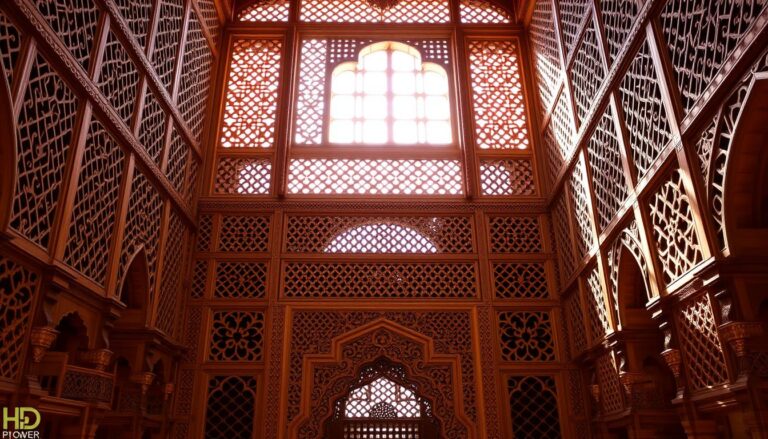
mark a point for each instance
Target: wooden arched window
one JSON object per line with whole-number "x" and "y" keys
{"x": 380, "y": 238}
{"x": 389, "y": 96}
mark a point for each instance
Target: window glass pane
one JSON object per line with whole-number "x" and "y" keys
{"x": 374, "y": 131}
{"x": 375, "y": 107}
{"x": 404, "y": 107}
{"x": 405, "y": 132}
{"x": 344, "y": 82}
{"x": 437, "y": 107}
{"x": 375, "y": 61}
{"x": 341, "y": 131}
{"x": 438, "y": 132}
{"x": 404, "y": 83}
{"x": 435, "y": 83}
{"x": 343, "y": 107}
{"x": 402, "y": 61}
{"x": 375, "y": 83}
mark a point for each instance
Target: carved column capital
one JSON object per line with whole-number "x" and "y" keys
{"x": 99, "y": 359}
{"x": 737, "y": 335}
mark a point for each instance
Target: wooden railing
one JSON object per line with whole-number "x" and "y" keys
{"x": 68, "y": 381}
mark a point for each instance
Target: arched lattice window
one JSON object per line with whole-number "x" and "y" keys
{"x": 380, "y": 238}
{"x": 390, "y": 96}
{"x": 382, "y": 399}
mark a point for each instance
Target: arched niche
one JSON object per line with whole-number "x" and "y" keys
{"x": 745, "y": 199}
{"x": 72, "y": 338}
{"x": 7, "y": 151}
{"x": 134, "y": 293}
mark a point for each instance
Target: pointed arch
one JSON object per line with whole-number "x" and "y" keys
{"x": 134, "y": 292}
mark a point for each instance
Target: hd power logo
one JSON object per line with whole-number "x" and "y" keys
{"x": 20, "y": 423}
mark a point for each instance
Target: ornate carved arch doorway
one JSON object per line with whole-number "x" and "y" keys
{"x": 382, "y": 403}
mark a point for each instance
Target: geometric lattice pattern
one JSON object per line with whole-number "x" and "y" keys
{"x": 574, "y": 317}
{"x": 674, "y": 229}
{"x": 617, "y": 17}
{"x": 44, "y": 129}
{"x": 562, "y": 232}
{"x": 153, "y": 127}
{"x": 382, "y": 399}
{"x": 498, "y": 102}
{"x": 378, "y": 280}
{"x": 515, "y": 234}
{"x": 597, "y": 308}
{"x": 199, "y": 279}
{"x": 703, "y": 353}
{"x": 587, "y": 72}
{"x": 18, "y": 287}
{"x": 231, "y": 407}
{"x": 95, "y": 205}
{"x": 580, "y": 204}
{"x": 608, "y": 181}
{"x": 349, "y": 176}
{"x": 520, "y": 280}
{"x": 701, "y": 35}
{"x": 363, "y": 11}
{"x": 571, "y": 15}
{"x": 174, "y": 271}
{"x": 250, "y": 108}
{"x": 533, "y": 407}
{"x": 166, "y": 40}
{"x": 75, "y": 22}
{"x": 244, "y": 234}
{"x": 237, "y": 336}
{"x": 310, "y": 103}
{"x": 507, "y": 177}
{"x": 243, "y": 176}
{"x": 195, "y": 83}
{"x": 266, "y": 10}
{"x": 644, "y": 113}
{"x": 611, "y": 390}
{"x": 546, "y": 52}
{"x": 441, "y": 234}
{"x": 240, "y": 280}
{"x": 526, "y": 336}
{"x": 118, "y": 78}
{"x": 482, "y": 11}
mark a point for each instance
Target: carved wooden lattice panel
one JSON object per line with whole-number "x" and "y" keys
{"x": 608, "y": 180}
{"x": 312, "y": 332}
{"x": 118, "y": 78}
{"x": 75, "y": 22}
{"x": 674, "y": 230}
{"x": 199, "y": 279}
{"x": 648, "y": 128}
{"x": 553, "y": 156}
{"x": 137, "y": 14}
{"x": 507, "y": 177}
{"x": 231, "y": 407}
{"x": 585, "y": 237}
{"x": 482, "y": 11}
{"x": 363, "y": 176}
{"x": 244, "y": 234}
{"x": 44, "y": 126}
{"x": 310, "y": 103}
{"x": 240, "y": 280}
{"x": 266, "y": 10}
{"x": 571, "y": 15}
{"x": 546, "y": 52}
{"x": 562, "y": 126}
{"x": 498, "y": 102}
{"x": 10, "y": 45}
{"x": 250, "y": 108}
{"x": 190, "y": 182}
{"x": 597, "y": 307}
{"x": 515, "y": 234}
{"x": 380, "y": 238}
{"x": 192, "y": 333}
{"x": 314, "y": 234}
{"x": 520, "y": 280}
{"x": 195, "y": 77}
{"x": 611, "y": 390}
{"x": 174, "y": 271}
{"x": 204, "y": 233}
{"x": 704, "y": 359}
{"x": 701, "y": 36}
{"x": 365, "y": 11}
{"x": 377, "y": 280}
{"x": 617, "y": 17}
{"x": 587, "y": 72}
{"x": 526, "y": 336}
{"x": 562, "y": 233}
{"x": 210, "y": 17}
{"x": 183, "y": 401}
{"x": 18, "y": 286}
{"x": 167, "y": 40}
{"x": 153, "y": 127}
{"x": 178, "y": 160}
{"x": 237, "y": 336}
{"x": 533, "y": 407}
{"x": 574, "y": 318}
{"x": 243, "y": 176}
{"x": 142, "y": 226}
{"x": 94, "y": 209}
